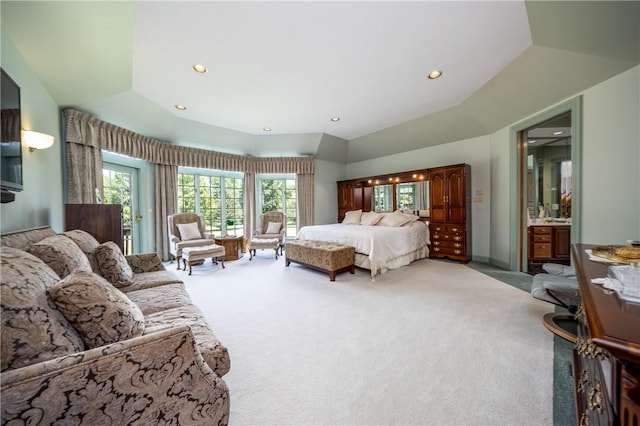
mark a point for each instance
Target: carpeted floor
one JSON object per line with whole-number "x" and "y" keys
{"x": 433, "y": 343}
{"x": 563, "y": 392}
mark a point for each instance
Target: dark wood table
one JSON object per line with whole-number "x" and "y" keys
{"x": 232, "y": 246}
{"x": 607, "y": 351}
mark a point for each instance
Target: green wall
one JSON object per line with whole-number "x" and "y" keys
{"x": 41, "y": 202}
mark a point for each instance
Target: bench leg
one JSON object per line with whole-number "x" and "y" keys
{"x": 189, "y": 268}
{"x": 276, "y": 252}
{"x": 332, "y": 275}
{"x": 353, "y": 269}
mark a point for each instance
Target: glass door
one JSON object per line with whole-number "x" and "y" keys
{"x": 120, "y": 186}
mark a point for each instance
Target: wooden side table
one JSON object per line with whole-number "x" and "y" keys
{"x": 232, "y": 246}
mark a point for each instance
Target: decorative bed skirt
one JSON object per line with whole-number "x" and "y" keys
{"x": 362, "y": 261}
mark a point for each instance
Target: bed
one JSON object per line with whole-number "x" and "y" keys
{"x": 378, "y": 248}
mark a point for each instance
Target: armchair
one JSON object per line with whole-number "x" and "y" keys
{"x": 187, "y": 230}
{"x": 268, "y": 227}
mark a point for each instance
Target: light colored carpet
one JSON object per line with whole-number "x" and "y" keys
{"x": 434, "y": 343}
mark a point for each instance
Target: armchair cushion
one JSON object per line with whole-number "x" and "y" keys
{"x": 273, "y": 227}
{"x": 189, "y": 231}
{"x": 113, "y": 264}
{"x": 101, "y": 313}
{"x": 33, "y": 330}
{"x": 61, "y": 254}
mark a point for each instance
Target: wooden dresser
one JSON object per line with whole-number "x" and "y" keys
{"x": 607, "y": 351}
{"x": 450, "y": 205}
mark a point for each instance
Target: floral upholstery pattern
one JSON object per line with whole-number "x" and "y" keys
{"x": 151, "y": 279}
{"x": 113, "y": 265}
{"x": 87, "y": 244}
{"x": 211, "y": 349}
{"x": 145, "y": 262}
{"x": 101, "y": 313}
{"x": 160, "y": 298}
{"x": 149, "y": 380}
{"x": 61, "y": 254}
{"x": 49, "y": 377}
{"x": 33, "y": 330}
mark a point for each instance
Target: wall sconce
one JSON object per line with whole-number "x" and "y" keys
{"x": 37, "y": 140}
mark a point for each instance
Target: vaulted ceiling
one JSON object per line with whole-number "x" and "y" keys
{"x": 292, "y": 66}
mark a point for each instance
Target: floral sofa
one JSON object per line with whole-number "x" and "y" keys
{"x": 90, "y": 336}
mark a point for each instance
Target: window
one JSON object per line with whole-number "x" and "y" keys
{"x": 278, "y": 193}
{"x": 120, "y": 187}
{"x": 218, "y": 196}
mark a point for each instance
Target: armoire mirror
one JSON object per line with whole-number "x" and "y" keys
{"x": 406, "y": 191}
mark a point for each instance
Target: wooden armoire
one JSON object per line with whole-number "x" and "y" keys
{"x": 103, "y": 221}
{"x": 450, "y": 205}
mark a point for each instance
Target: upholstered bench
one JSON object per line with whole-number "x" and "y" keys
{"x": 326, "y": 257}
{"x": 191, "y": 255}
{"x": 262, "y": 243}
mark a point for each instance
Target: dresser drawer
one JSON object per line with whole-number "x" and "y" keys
{"x": 541, "y": 238}
{"x": 448, "y": 244}
{"x": 448, "y": 251}
{"x": 541, "y": 250}
{"x": 541, "y": 229}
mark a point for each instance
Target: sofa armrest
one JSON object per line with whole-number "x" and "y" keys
{"x": 137, "y": 381}
{"x": 145, "y": 262}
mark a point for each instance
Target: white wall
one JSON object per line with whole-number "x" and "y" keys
{"x": 41, "y": 201}
{"x": 474, "y": 151}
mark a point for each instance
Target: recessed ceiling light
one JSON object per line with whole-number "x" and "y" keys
{"x": 180, "y": 107}
{"x": 266, "y": 129}
{"x": 434, "y": 74}
{"x": 559, "y": 132}
{"x": 532, "y": 141}
{"x": 335, "y": 119}
{"x": 199, "y": 68}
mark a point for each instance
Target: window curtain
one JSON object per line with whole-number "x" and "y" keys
{"x": 84, "y": 173}
{"x": 304, "y": 196}
{"x": 86, "y": 136}
{"x": 249, "y": 204}
{"x": 166, "y": 204}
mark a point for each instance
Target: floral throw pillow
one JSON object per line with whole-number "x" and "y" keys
{"x": 99, "y": 312}
{"x": 61, "y": 254}
{"x": 32, "y": 329}
{"x": 113, "y": 265}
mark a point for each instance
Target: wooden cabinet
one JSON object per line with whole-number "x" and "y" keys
{"x": 549, "y": 243}
{"x": 232, "y": 247}
{"x": 103, "y": 221}
{"x": 450, "y": 205}
{"x": 353, "y": 196}
{"x": 606, "y": 358}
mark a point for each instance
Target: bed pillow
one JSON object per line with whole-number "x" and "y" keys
{"x": 352, "y": 217}
{"x": 189, "y": 231}
{"x": 394, "y": 219}
{"x": 273, "y": 228}
{"x": 113, "y": 264}
{"x": 99, "y": 312}
{"x": 412, "y": 218}
{"x": 370, "y": 218}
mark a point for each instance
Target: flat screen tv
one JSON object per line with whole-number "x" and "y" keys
{"x": 10, "y": 136}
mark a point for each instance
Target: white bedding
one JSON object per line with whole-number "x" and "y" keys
{"x": 381, "y": 244}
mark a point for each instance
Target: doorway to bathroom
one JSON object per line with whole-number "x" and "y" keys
{"x": 547, "y": 212}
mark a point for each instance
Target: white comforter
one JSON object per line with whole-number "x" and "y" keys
{"x": 380, "y": 243}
